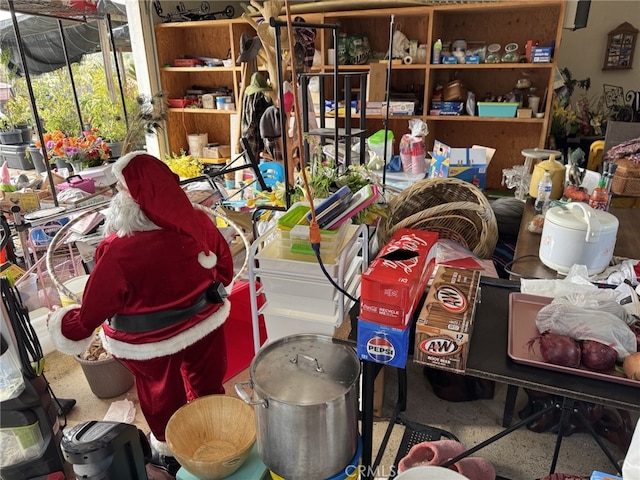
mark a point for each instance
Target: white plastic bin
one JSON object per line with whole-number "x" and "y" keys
{"x": 281, "y": 322}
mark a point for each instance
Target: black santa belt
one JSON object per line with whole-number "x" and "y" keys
{"x": 157, "y": 320}
{"x": 215, "y": 293}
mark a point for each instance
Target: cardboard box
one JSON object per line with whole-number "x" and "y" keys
{"x": 383, "y": 344}
{"x": 445, "y": 323}
{"x": 596, "y": 475}
{"x": 103, "y": 175}
{"x": 57, "y": 180}
{"x": 395, "y": 281}
{"x": 400, "y": 107}
{"x": 468, "y": 164}
{"x": 216, "y": 151}
{"x": 541, "y": 54}
{"x": 103, "y": 194}
{"x": 27, "y": 201}
{"x": 447, "y": 108}
{"x": 377, "y": 83}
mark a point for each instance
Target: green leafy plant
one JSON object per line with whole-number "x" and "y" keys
{"x": 148, "y": 118}
{"x": 17, "y": 109}
{"x": 103, "y": 109}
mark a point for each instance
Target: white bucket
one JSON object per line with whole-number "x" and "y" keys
{"x": 197, "y": 142}
{"x": 76, "y": 286}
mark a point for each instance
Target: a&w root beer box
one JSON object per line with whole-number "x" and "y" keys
{"x": 445, "y": 323}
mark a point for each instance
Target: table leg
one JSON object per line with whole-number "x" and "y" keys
{"x": 403, "y": 388}
{"x": 566, "y": 409}
{"x": 369, "y": 372}
{"x": 509, "y": 405}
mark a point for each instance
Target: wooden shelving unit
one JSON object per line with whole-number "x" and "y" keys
{"x": 490, "y": 22}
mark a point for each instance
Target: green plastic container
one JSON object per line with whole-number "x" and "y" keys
{"x": 376, "y": 143}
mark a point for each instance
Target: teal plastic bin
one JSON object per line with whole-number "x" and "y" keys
{"x": 497, "y": 109}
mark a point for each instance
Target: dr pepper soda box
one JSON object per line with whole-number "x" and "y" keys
{"x": 395, "y": 281}
{"x": 445, "y": 323}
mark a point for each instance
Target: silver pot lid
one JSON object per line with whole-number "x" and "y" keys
{"x": 304, "y": 369}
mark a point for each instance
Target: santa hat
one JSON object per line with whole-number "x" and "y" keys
{"x": 156, "y": 189}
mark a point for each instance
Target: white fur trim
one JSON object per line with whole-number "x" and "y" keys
{"x": 62, "y": 343}
{"x": 169, "y": 346}
{"x": 123, "y": 162}
{"x": 161, "y": 447}
{"x": 207, "y": 260}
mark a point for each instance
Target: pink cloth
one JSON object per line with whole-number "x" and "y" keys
{"x": 475, "y": 468}
{"x": 430, "y": 453}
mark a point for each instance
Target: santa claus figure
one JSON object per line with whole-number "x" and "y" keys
{"x": 157, "y": 291}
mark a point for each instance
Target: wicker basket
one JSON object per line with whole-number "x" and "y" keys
{"x": 456, "y": 209}
{"x": 626, "y": 179}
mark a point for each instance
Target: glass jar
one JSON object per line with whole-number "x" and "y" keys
{"x": 421, "y": 53}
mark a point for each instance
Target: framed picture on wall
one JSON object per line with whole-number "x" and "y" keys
{"x": 613, "y": 96}
{"x": 621, "y": 43}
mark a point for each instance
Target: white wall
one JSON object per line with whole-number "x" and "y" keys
{"x": 582, "y": 51}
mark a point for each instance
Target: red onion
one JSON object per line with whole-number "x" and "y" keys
{"x": 598, "y": 356}
{"x": 558, "y": 349}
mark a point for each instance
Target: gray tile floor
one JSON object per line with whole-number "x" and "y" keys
{"x": 520, "y": 455}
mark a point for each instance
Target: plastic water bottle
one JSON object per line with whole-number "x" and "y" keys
{"x": 437, "y": 50}
{"x": 544, "y": 194}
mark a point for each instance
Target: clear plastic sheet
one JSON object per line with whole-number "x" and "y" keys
{"x": 605, "y": 323}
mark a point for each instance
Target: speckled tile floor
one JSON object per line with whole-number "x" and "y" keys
{"x": 521, "y": 455}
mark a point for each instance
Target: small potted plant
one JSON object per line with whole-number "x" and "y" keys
{"x": 112, "y": 126}
{"x": 16, "y": 114}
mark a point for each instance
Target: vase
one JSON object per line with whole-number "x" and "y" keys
{"x": 61, "y": 162}
{"x": 116, "y": 149}
{"x": 77, "y": 165}
{"x": 37, "y": 158}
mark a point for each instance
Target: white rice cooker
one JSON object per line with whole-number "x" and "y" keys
{"x": 576, "y": 234}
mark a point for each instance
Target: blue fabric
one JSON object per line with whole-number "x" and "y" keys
{"x": 395, "y": 164}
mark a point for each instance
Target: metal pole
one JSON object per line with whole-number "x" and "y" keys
{"x": 386, "y": 115}
{"x": 32, "y": 100}
{"x": 284, "y": 126}
{"x": 73, "y": 83}
{"x": 115, "y": 58}
{"x": 21, "y": 229}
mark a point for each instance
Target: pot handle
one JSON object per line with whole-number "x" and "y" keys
{"x": 242, "y": 393}
{"x": 593, "y": 224}
{"x": 319, "y": 369}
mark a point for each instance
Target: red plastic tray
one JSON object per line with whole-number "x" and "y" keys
{"x": 523, "y": 309}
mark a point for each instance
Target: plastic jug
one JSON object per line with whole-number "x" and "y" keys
{"x": 376, "y": 143}
{"x": 11, "y": 380}
{"x": 557, "y": 172}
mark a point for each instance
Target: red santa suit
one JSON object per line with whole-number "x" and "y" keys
{"x": 162, "y": 258}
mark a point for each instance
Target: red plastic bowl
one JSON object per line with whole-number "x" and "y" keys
{"x": 180, "y": 102}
